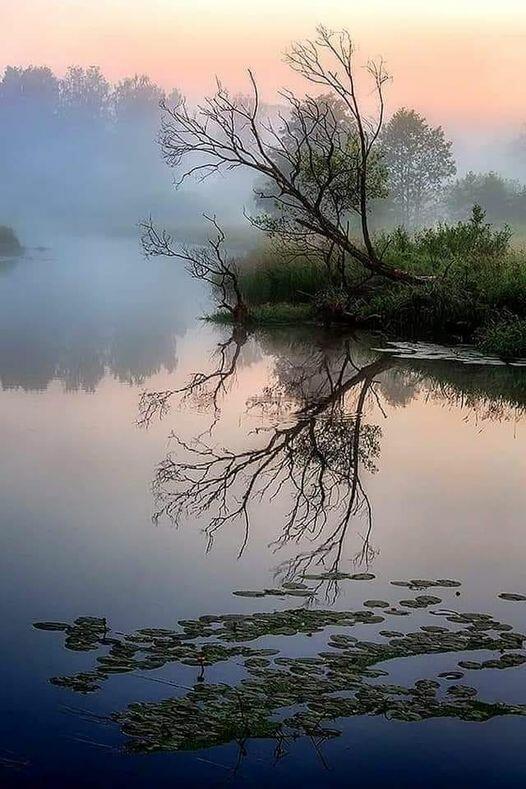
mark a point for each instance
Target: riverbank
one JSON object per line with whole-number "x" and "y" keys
{"x": 475, "y": 292}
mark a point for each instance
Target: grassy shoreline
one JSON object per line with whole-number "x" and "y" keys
{"x": 475, "y": 290}
{"x": 504, "y": 339}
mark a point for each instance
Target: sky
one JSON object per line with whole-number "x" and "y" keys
{"x": 460, "y": 62}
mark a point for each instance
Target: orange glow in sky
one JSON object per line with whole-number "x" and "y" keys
{"x": 458, "y": 61}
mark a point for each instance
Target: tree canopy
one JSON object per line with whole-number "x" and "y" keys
{"x": 418, "y": 159}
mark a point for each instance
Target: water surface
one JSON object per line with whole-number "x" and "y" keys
{"x": 345, "y": 461}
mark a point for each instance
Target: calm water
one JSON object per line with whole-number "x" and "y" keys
{"x": 336, "y": 460}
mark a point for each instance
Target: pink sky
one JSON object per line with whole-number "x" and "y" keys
{"x": 458, "y": 61}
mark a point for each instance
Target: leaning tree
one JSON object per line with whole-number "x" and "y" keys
{"x": 319, "y": 165}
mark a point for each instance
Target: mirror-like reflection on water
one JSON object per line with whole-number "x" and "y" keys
{"x": 271, "y": 556}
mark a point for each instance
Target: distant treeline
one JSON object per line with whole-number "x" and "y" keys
{"x": 503, "y": 199}
{"x": 83, "y": 95}
{"x": 420, "y": 178}
{"x": 80, "y": 153}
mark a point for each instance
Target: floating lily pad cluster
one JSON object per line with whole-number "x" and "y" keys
{"x": 297, "y": 696}
{"x": 300, "y": 589}
{"x": 285, "y": 696}
{"x": 422, "y": 583}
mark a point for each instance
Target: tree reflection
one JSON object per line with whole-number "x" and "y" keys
{"x": 311, "y": 456}
{"x": 205, "y": 388}
{"x": 307, "y": 457}
{"x": 84, "y": 312}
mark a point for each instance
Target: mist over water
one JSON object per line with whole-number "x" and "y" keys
{"x": 423, "y": 455}
{"x": 79, "y": 155}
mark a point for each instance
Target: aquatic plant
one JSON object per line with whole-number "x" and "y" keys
{"x": 282, "y": 697}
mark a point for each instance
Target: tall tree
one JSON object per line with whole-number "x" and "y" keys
{"x": 306, "y": 164}
{"x": 418, "y": 159}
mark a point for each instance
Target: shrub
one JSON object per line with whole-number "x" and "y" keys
{"x": 434, "y": 249}
{"x": 9, "y": 243}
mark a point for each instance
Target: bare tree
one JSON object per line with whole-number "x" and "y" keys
{"x": 319, "y": 170}
{"x": 210, "y": 264}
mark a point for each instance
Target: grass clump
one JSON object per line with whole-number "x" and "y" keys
{"x": 270, "y": 314}
{"x": 272, "y": 275}
{"x": 505, "y": 338}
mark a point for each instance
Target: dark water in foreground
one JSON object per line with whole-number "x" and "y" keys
{"x": 318, "y": 459}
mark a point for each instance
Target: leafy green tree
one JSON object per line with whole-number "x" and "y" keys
{"x": 501, "y": 198}
{"x": 418, "y": 160}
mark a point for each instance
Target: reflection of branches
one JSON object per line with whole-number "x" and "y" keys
{"x": 317, "y": 457}
{"x": 207, "y": 387}
{"x": 363, "y": 445}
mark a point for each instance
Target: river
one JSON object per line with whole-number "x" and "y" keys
{"x": 153, "y": 466}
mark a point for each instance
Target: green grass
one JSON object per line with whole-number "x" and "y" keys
{"x": 505, "y": 338}
{"x": 270, "y": 314}
{"x": 270, "y": 275}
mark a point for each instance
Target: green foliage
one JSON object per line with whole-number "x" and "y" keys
{"x": 475, "y": 274}
{"x": 270, "y": 314}
{"x": 434, "y": 249}
{"x": 505, "y": 337}
{"x": 271, "y": 274}
{"x": 501, "y": 198}
{"x": 418, "y": 160}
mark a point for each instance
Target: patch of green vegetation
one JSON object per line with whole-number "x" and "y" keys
{"x": 284, "y": 696}
{"x": 272, "y": 275}
{"x": 475, "y": 278}
{"x": 505, "y": 338}
{"x": 270, "y": 314}
{"x": 9, "y": 244}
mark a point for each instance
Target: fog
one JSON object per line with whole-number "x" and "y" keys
{"x": 79, "y": 156}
